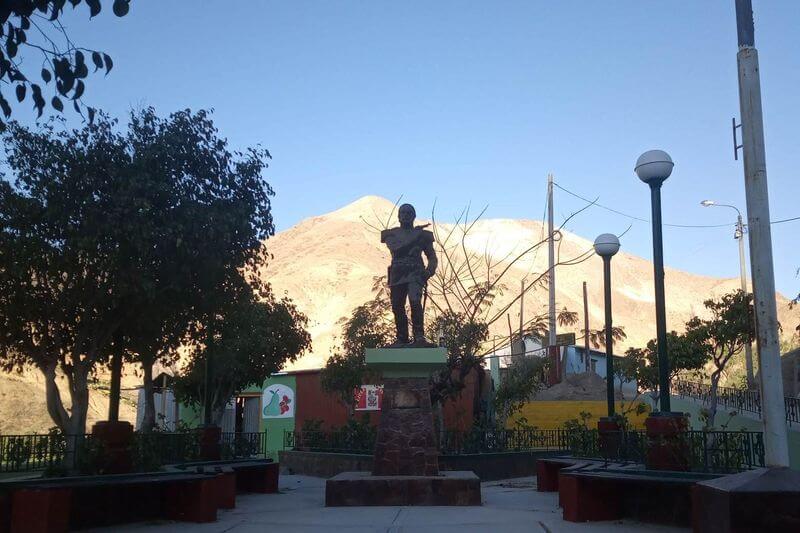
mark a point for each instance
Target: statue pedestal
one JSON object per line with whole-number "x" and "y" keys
{"x": 406, "y": 464}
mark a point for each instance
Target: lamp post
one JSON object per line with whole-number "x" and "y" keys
{"x": 654, "y": 167}
{"x": 606, "y": 246}
{"x": 739, "y": 236}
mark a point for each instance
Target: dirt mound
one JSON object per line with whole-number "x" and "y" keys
{"x": 584, "y": 386}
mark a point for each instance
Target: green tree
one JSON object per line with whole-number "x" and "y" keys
{"x": 198, "y": 214}
{"x": 721, "y": 337}
{"x": 641, "y": 364}
{"x": 524, "y": 378}
{"x": 61, "y": 292}
{"x": 249, "y": 338}
{"x": 36, "y": 25}
{"x": 369, "y": 326}
{"x": 463, "y": 338}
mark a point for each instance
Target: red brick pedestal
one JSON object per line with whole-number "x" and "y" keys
{"x": 609, "y": 437}
{"x": 209, "y": 443}
{"x": 667, "y": 445}
{"x": 116, "y": 439}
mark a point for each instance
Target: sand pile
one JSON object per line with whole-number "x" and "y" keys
{"x": 584, "y": 386}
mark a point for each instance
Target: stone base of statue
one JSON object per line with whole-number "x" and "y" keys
{"x": 406, "y": 466}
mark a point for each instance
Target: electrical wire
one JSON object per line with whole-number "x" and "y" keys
{"x": 576, "y": 195}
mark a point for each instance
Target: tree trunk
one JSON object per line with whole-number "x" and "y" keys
{"x": 79, "y": 394}
{"x": 75, "y": 430}
{"x": 217, "y": 413}
{"x": 712, "y": 405}
{"x": 149, "y": 417}
{"x": 55, "y": 407}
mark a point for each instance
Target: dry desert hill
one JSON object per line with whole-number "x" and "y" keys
{"x": 326, "y": 264}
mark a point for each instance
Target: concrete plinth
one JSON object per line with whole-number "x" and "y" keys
{"x": 116, "y": 438}
{"x": 766, "y": 499}
{"x": 209, "y": 443}
{"x": 667, "y": 446}
{"x": 405, "y": 444}
{"x": 609, "y": 434}
{"x": 363, "y": 489}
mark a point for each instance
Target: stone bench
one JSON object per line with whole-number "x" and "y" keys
{"x": 597, "y": 492}
{"x": 61, "y": 504}
{"x": 547, "y": 470}
{"x": 249, "y": 475}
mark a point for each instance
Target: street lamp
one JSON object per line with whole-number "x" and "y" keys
{"x": 654, "y": 167}
{"x": 739, "y": 236}
{"x": 606, "y": 246}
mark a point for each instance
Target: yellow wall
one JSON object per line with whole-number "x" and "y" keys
{"x": 553, "y": 414}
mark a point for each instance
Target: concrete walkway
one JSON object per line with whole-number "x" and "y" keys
{"x": 512, "y": 505}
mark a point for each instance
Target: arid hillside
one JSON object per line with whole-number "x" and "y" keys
{"x": 326, "y": 264}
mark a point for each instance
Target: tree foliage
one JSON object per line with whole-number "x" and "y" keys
{"x": 60, "y": 285}
{"x": 35, "y": 26}
{"x": 199, "y": 213}
{"x": 524, "y": 378}
{"x": 248, "y": 338}
{"x": 721, "y": 337}
{"x": 113, "y": 241}
{"x": 641, "y": 364}
{"x": 369, "y": 326}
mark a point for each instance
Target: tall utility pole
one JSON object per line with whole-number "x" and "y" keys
{"x": 755, "y": 179}
{"x": 748, "y": 348}
{"x": 586, "y": 329}
{"x": 522, "y": 311}
{"x": 551, "y": 253}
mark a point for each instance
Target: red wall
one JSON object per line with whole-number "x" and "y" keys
{"x": 314, "y": 403}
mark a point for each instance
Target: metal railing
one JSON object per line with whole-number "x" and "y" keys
{"x": 738, "y": 399}
{"x": 148, "y": 451}
{"x": 329, "y": 441}
{"x": 502, "y": 440}
{"x": 701, "y": 451}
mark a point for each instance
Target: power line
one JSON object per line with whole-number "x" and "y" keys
{"x": 576, "y": 195}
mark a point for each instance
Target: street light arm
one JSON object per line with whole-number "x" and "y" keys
{"x": 724, "y": 205}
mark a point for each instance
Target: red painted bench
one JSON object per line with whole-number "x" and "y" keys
{"x": 60, "y": 504}
{"x": 599, "y": 492}
{"x": 251, "y": 475}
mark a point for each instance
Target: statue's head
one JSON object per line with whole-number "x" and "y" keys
{"x": 406, "y": 215}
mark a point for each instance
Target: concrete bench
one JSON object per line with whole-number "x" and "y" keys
{"x": 547, "y": 470}
{"x": 60, "y": 504}
{"x": 598, "y": 492}
{"x": 250, "y": 475}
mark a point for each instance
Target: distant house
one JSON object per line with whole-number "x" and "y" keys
{"x": 570, "y": 359}
{"x": 575, "y": 360}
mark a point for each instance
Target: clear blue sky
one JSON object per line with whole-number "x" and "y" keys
{"x": 477, "y": 102}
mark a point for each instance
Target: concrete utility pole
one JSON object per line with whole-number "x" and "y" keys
{"x": 522, "y": 312}
{"x": 755, "y": 177}
{"x": 551, "y": 252}
{"x": 748, "y": 348}
{"x": 588, "y": 360}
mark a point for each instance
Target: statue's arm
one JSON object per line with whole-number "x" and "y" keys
{"x": 433, "y": 261}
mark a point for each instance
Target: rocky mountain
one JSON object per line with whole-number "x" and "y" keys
{"x": 327, "y": 263}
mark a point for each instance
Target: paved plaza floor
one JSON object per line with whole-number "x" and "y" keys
{"x": 512, "y": 505}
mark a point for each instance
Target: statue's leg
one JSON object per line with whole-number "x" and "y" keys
{"x": 398, "y": 295}
{"x": 417, "y": 315}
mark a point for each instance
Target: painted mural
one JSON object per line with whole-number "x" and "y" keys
{"x": 278, "y": 401}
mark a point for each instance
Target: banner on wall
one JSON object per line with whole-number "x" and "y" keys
{"x": 369, "y": 398}
{"x": 278, "y": 401}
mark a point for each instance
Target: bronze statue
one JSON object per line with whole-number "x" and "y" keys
{"x": 408, "y": 275}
